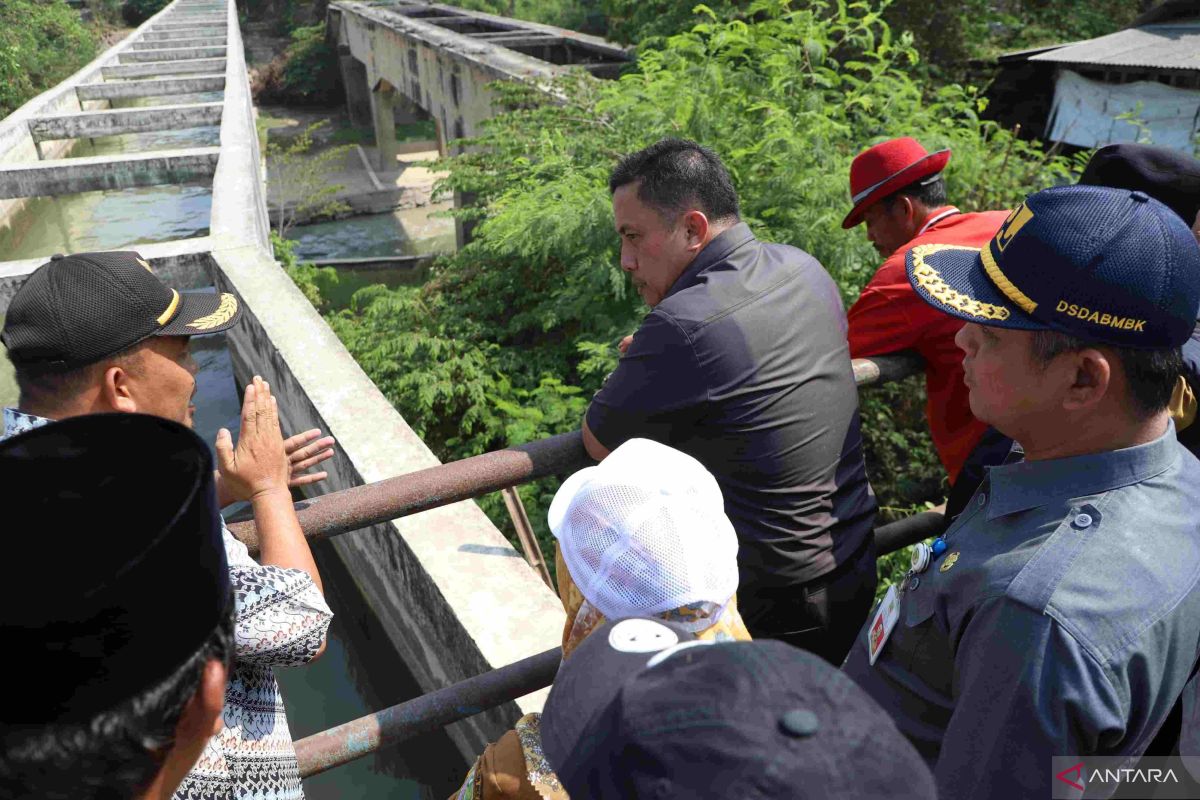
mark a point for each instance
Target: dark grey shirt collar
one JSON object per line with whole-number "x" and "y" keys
{"x": 1023, "y": 485}
{"x": 714, "y": 252}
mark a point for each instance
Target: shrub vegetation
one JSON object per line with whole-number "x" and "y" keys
{"x": 513, "y": 334}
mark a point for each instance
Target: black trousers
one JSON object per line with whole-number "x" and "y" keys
{"x": 822, "y": 616}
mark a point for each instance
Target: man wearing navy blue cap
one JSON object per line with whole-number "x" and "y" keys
{"x": 644, "y": 710}
{"x": 1060, "y": 614}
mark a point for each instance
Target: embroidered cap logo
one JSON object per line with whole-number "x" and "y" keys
{"x": 1012, "y": 226}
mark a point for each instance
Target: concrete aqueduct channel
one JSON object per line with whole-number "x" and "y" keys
{"x": 453, "y": 596}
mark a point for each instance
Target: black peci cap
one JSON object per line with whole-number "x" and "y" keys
{"x": 642, "y": 709}
{"x": 1170, "y": 177}
{"x": 117, "y": 565}
{"x": 77, "y": 309}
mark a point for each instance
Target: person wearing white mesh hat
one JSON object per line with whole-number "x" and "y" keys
{"x": 643, "y": 534}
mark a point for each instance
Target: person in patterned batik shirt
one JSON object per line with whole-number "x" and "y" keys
{"x": 97, "y": 333}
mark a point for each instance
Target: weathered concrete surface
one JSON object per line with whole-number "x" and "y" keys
{"x": 197, "y": 41}
{"x": 163, "y": 27}
{"x": 199, "y": 66}
{"x": 93, "y": 173}
{"x": 209, "y": 34}
{"x": 171, "y": 54}
{"x": 452, "y": 594}
{"x": 151, "y": 88}
{"x": 125, "y": 120}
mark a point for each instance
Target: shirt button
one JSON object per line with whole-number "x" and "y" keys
{"x": 914, "y": 582}
{"x": 982, "y": 500}
{"x": 1083, "y": 520}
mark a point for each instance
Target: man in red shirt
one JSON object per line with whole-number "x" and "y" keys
{"x": 897, "y": 189}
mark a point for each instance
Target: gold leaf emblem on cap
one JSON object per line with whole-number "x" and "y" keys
{"x": 223, "y": 314}
{"x": 931, "y": 281}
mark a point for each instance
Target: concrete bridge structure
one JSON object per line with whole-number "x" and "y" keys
{"x": 404, "y": 59}
{"x": 453, "y": 596}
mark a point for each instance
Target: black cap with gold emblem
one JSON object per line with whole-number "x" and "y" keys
{"x": 78, "y": 309}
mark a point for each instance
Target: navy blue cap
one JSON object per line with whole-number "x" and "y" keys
{"x": 1104, "y": 265}
{"x": 641, "y": 709}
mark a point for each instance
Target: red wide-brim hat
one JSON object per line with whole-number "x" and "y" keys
{"x": 888, "y": 166}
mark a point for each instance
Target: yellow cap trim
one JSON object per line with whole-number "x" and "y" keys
{"x": 929, "y": 280}
{"x": 170, "y": 312}
{"x": 223, "y": 314}
{"x": 1004, "y": 284}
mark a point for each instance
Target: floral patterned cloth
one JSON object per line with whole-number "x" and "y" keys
{"x": 281, "y": 621}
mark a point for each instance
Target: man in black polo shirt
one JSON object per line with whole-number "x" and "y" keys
{"x": 742, "y": 363}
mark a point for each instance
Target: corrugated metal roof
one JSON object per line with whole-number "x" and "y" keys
{"x": 1169, "y": 46}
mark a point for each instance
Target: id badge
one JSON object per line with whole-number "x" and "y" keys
{"x": 882, "y": 623}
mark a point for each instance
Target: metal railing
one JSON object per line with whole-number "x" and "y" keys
{"x": 362, "y": 506}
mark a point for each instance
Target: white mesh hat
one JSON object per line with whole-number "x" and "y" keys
{"x": 646, "y": 532}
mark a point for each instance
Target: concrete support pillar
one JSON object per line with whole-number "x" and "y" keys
{"x": 358, "y": 91}
{"x": 383, "y": 112}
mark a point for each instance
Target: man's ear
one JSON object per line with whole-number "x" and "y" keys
{"x": 116, "y": 392}
{"x": 200, "y": 720}
{"x": 696, "y": 228}
{"x": 1091, "y": 382}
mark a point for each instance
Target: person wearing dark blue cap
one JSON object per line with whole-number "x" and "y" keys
{"x": 1060, "y": 614}
{"x": 645, "y": 710}
{"x": 104, "y": 700}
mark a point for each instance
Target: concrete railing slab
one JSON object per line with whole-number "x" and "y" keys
{"x": 124, "y": 120}
{"x": 171, "y": 54}
{"x": 186, "y": 33}
{"x": 93, "y": 173}
{"x": 151, "y": 88}
{"x": 167, "y": 27}
{"x": 171, "y": 44}
{"x": 200, "y": 66}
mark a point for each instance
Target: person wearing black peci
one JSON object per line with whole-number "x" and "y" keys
{"x": 118, "y": 612}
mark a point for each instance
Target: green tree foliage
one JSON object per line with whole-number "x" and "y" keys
{"x": 304, "y": 74}
{"x": 136, "y": 12}
{"x": 515, "y": 332}
{"x": 579, "y": 15}
{"x": 41, "y": 43}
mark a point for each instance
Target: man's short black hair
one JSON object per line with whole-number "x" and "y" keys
{"x": 931, "y": 192}
{"x": 115, "y": 754}
{"x": 1151, "y": 374}
{"x": 46, "y": 388}
{"x": 674, "y": 175}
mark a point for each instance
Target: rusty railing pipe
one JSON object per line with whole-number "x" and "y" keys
{"x": 365, "y": 735}
{"x": 358, "y": 507}
{"x": 361, "y": 506}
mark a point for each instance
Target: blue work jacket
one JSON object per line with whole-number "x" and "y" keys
{"x": 1063, "y": 618}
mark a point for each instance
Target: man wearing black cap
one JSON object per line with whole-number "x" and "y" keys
{"x": 98, "y": 332}
{"x": 1173, "y": 179}
{"x": 1059, "y": 615}
{"x": 644, "y": 710}
{"x": 105, "y": 700}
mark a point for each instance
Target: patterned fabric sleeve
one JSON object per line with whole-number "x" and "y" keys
{"x": 281, "y": 616}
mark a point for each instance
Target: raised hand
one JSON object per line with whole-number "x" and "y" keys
{"x": 259, "y": 465}
{"x": 303, "y": 453}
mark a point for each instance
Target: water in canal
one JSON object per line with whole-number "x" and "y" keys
{"x": 111, "y": 220}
